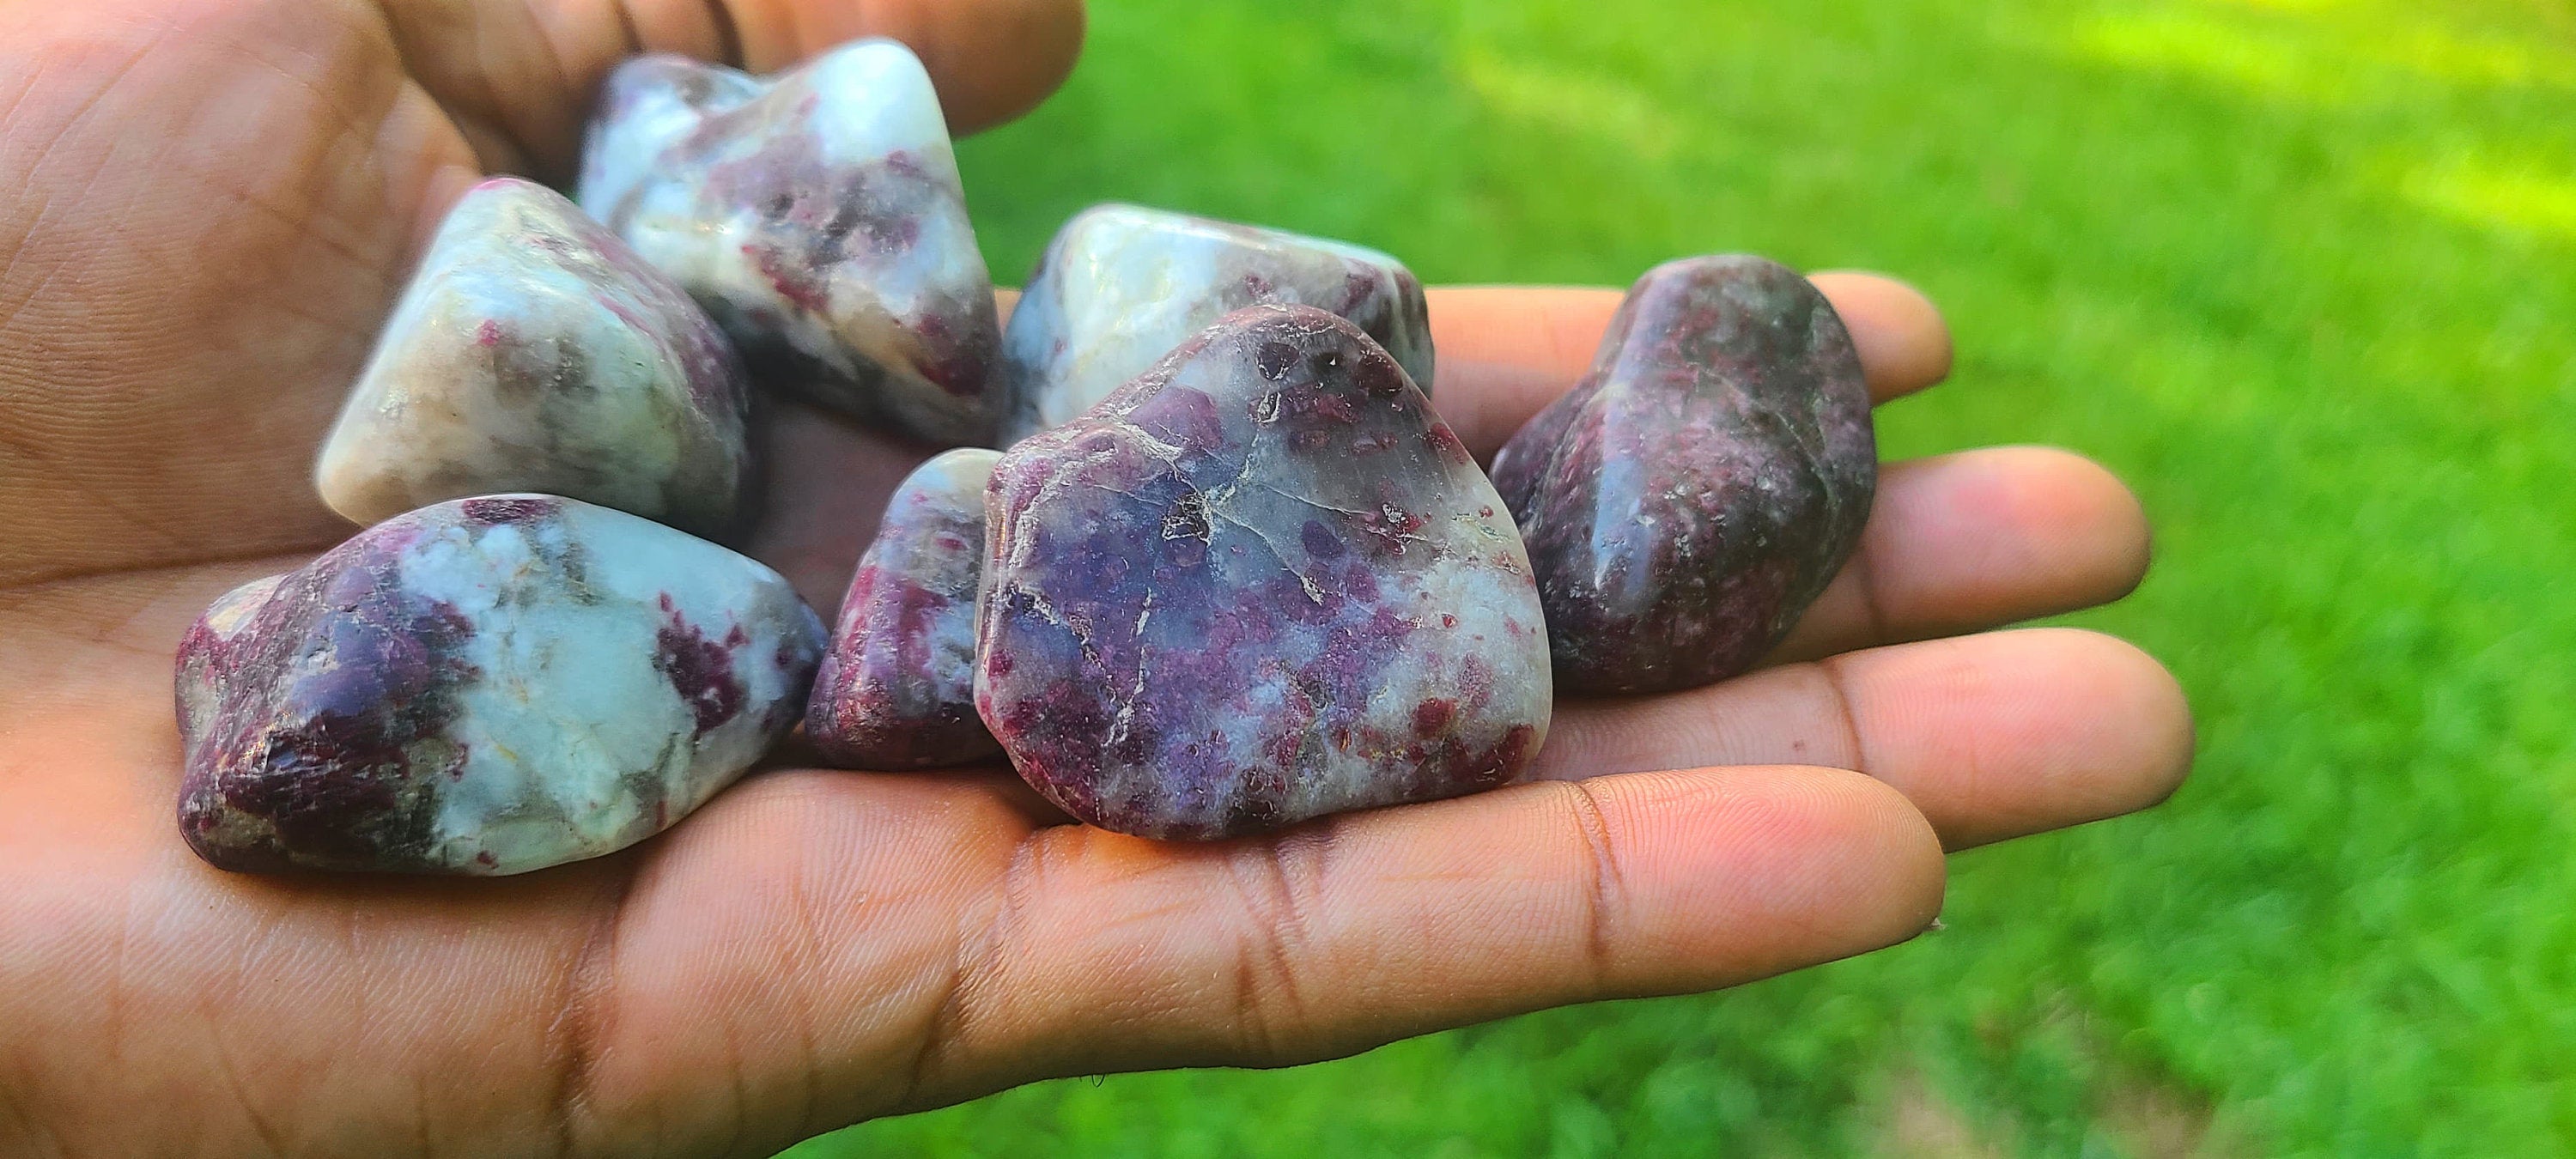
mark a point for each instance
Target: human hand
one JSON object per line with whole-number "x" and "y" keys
{"x": 208, "y": 207}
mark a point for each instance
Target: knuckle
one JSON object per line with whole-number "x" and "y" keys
{"x": 1279, "y": 883}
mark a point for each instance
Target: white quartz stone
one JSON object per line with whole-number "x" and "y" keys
{"x": 819, "y": 217}
{"x": 533, "y": 351}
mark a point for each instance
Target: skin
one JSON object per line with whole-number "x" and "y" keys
{"x": 206, "y": 207}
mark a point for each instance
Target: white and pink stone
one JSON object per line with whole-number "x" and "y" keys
{"x": 1694, "y": 492}
{"x": 1121, "y": 285}
{"x": 533, "y": 351}
{"x": 819, "y": 217}
{"x": 486, "y": 686}
{"x": 1260, "y": 583}
{"x": 897, "y": 685}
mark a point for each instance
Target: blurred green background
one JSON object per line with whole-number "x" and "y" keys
{"x": 2303, "y": 271}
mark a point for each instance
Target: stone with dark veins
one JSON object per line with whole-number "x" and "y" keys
{"x": 534, "y": 351}
{"x": 1260, "y": 583}
{"x": 1695, "y": 491}
{"x": 486, "y": 686}
{"x": 819, "y": 217}
{"x": 1120, "y": 286}
{"x": 897, "y": 685}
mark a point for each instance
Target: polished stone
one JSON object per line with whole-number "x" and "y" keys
{"x": 1694, "y": 492}
{"x": 897, "y": 685}
{"x": 533, "y": 351}
{"x": 819, "y": 217}
{"x": 486, "y": 686}
{"x": 1260, "y": 583}
{"x": 1120, "y": 286}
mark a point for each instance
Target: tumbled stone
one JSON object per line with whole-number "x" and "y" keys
{"x": 818, "y": 216}
{"x": 486, "y": 686}
{"x": 897, "y": 685}
{"x": 1695, "y": 491}
{"x": 1120, "y": 286}
{"x": 533, "y": 351}
{"x": 1260, "y": 583}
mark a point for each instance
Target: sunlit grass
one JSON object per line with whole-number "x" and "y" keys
{"x": 2521, "y": 199}
{"x": 2319, "y": 51}
{"x": 2303, "y": 271}
{"x": 2232, "y": 54}
{"x": 1594, "y": 106}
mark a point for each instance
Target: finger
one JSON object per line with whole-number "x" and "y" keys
{"x": 1114, "y": 953}
{"x": 1991, "y": 736}
{"x": 1974, "y": 540}
{"x": 1904, "y": 344}
{"x": 827, "y": 480}
{"x": 519, "y": 75}
{"x": 1506, "y": 351}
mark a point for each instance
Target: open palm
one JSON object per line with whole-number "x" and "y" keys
{"x": 206, "y": 207}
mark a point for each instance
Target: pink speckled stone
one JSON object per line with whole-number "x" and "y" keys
{"x": 897, "y": 686}
{"x": 1260, "y": 583}
{"x": 486, "y": 686}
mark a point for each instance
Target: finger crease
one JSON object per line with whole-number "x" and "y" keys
{"x": 728, "y": 33}
{"x": 631, "y": 36}
{"x": 1607, "y": 884}
{"x": 576, "y": 1027}
{"x": 1267, "y": 966}
{"x": 554, "y": 60}
{"x": 1839, "y": 688}
{"x": 974, "y": 961}
{"x": 1873, "y": 610}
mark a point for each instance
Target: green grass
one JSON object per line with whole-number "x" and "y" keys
{"x": 2303, "y": 271}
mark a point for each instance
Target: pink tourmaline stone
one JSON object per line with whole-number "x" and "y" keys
{"x": 1260, "y": 583}
{"x": 1688, "y": 499}
{"x": 897, "y": 686}
{"x": 486, "y": 686}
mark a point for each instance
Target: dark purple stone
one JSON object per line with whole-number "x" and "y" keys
{"x": 1688, "y": 499}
